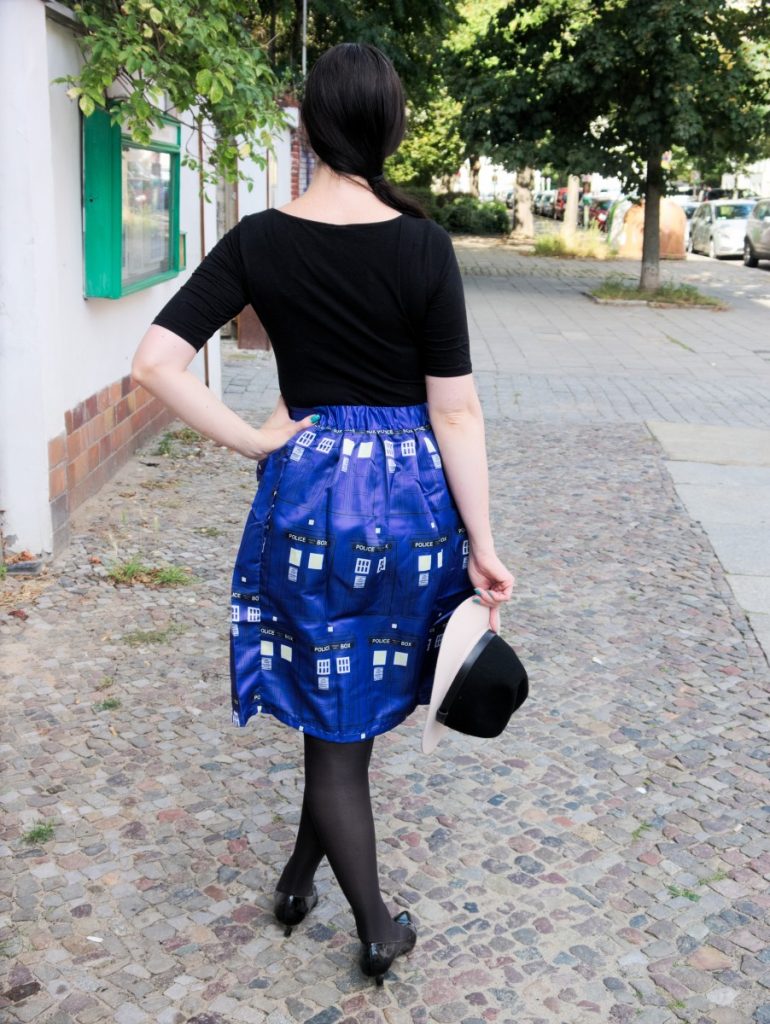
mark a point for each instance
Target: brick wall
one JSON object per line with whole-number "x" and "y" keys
{"x": 101, "y": 433}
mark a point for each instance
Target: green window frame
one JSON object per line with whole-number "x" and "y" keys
{"x": 107, "y": 222}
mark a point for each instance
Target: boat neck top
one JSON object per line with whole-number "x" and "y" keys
{"x": 356, "y": 316}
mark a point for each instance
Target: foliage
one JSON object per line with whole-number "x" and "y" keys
{"x": 411, "y": 34}
{"x": 613, "y": 84}
{"x": 208, "y": 59}
{"x": 468, "y": 215}
{"x": 433, "y": 146}
{"x": 135, "y": 571}
{"x": 590, "y": 244}
{"x": 39, "y": 833}
{"x": 600, "y": 84}
{"x": 108, "y": 704}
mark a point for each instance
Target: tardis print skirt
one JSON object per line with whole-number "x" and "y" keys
{"x": 352, "y": 559}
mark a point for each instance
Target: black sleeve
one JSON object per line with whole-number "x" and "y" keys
{"x": 446, "y": 344}
{"x": 214, "y": 294}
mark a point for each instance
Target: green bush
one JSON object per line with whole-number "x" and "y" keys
{"x": 424, "y": 197}
{"x": 464, "y": 214}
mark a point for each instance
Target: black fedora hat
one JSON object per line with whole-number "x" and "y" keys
{"x": 479, "y": 680}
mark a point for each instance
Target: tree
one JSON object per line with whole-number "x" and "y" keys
{"x": 208, "y": 58}
{"x": 465, "y": 69}
{"x": 614, "y": 84}
{"x": 432, "y": 147}
{"x": 411, "y": 34}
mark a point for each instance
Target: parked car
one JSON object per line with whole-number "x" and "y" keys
{"x": 756, "y": 244}
{"x": 537, "y": 201}
{"x": 718, "y": 227}
{"x": 559, "y": 204}
{"x": 598, "y": 212}
{"x": 546, "y": 204}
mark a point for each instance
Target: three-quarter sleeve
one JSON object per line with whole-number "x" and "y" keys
{"x": 214, "y": 294}
{"x": 446, "y": 351}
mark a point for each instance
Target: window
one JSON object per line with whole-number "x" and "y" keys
{"x": 131, "y": 208}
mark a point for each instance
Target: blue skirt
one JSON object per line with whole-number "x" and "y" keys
{"x": 352, "y": 559}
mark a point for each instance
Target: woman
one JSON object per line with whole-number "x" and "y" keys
{"x": 370, "y": 523}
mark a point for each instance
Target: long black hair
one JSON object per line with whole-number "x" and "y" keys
{"x": 353, "y": 115}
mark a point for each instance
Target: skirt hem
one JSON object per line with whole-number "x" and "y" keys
{"x": 381, "y": 726}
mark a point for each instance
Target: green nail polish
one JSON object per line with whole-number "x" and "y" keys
{"x": 315, "y": 418}
{"x": 477, "y": 600}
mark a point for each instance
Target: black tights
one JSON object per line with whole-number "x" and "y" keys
{"x": 337, "y": 821}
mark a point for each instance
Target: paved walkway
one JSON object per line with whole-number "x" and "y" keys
{"x": 606, "y": 859}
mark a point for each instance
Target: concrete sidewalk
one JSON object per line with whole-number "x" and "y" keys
{"x": 606, "y": 859}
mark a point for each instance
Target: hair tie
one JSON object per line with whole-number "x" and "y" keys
{"x": 375, "y": 178}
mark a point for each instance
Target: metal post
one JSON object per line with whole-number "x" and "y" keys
{"x": 304, "y": 38}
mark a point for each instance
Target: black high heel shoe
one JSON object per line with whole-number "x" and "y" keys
{"x": 376, "y": 957}
{"x": 291, "y": 910}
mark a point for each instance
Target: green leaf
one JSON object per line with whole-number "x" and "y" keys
{"x": 87, "y": 105}
{"x": 216, "y": 92}
{"x": 203, "y": 81}
{"x": 155, "y": 15}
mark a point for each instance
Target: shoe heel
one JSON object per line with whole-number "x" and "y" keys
{"x": 379, "y": 980}
{"x": 287, "y": 931}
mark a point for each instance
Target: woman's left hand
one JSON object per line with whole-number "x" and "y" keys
{"x": 279, "y": 428}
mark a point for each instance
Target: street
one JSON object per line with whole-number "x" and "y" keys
{"x": 606, "y": 859}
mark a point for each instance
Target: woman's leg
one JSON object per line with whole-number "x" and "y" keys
{"x": 337, "y": 820}
{"x": 297, "y": 877}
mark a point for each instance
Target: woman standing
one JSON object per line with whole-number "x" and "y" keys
{"x": 370, "y": 523}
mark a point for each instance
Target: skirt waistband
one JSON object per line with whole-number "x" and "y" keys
{"x": 368, "y": 418}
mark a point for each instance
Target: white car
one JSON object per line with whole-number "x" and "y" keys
{"x": 756, "y": 245}
{"x": 718, "y": 227}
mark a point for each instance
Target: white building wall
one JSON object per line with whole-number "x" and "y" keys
{"x": 28, "y": 314}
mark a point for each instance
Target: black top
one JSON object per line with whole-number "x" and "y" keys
{"x": 357, "y": 314}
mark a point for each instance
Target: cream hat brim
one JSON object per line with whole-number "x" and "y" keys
{"x": 467, "y": 624}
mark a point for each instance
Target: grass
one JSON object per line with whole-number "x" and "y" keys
{"x": 106, "y": 683}
{"x": 716, "y": 876}
{"x": 681, "y": 344}
{"x": 185, "y": 435}
{"x": 110, "y": 704}
{"x": 583, "y": 245}
{"x": 3, "y": 571}
{"x": 688, "y": 894}
{"x": 671, "y": 294}
{"x": 640, "y": 830}
{"x": 210, "y": 531}
{"x": 140, "y": 637}
{"x": 39, "y": 833}
{"x": 135, "y": 571}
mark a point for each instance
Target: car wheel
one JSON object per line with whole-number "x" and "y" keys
{"x": 712, "y": 249}
{"x": 749, "y": 259}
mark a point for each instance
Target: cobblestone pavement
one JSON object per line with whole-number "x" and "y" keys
{"x": 605, "y": 860}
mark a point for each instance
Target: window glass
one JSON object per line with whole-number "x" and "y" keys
{"x": 734, "y": 212}
{"x": 145, "y": 186}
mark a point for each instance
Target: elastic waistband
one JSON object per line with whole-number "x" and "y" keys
{"x": 368, "y": 418}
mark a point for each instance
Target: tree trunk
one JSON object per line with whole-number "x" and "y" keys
{"x": 571, "y": 209}
{"x": 475, "y": 163}
{"x": 523, "y": 220}
{"x": 653, "y": 191}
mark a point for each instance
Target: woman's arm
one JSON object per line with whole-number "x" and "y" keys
{"x": 161, "y": 366}
{"x": 458, "y": 423}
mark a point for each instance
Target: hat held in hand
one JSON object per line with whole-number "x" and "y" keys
{"x": 479, "y": 680}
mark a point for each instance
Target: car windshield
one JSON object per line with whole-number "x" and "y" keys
{"x": 725, "y": 212}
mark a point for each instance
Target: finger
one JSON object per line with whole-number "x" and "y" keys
{"x": 494, "y": 620}
{"x": 309, "y": 421}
